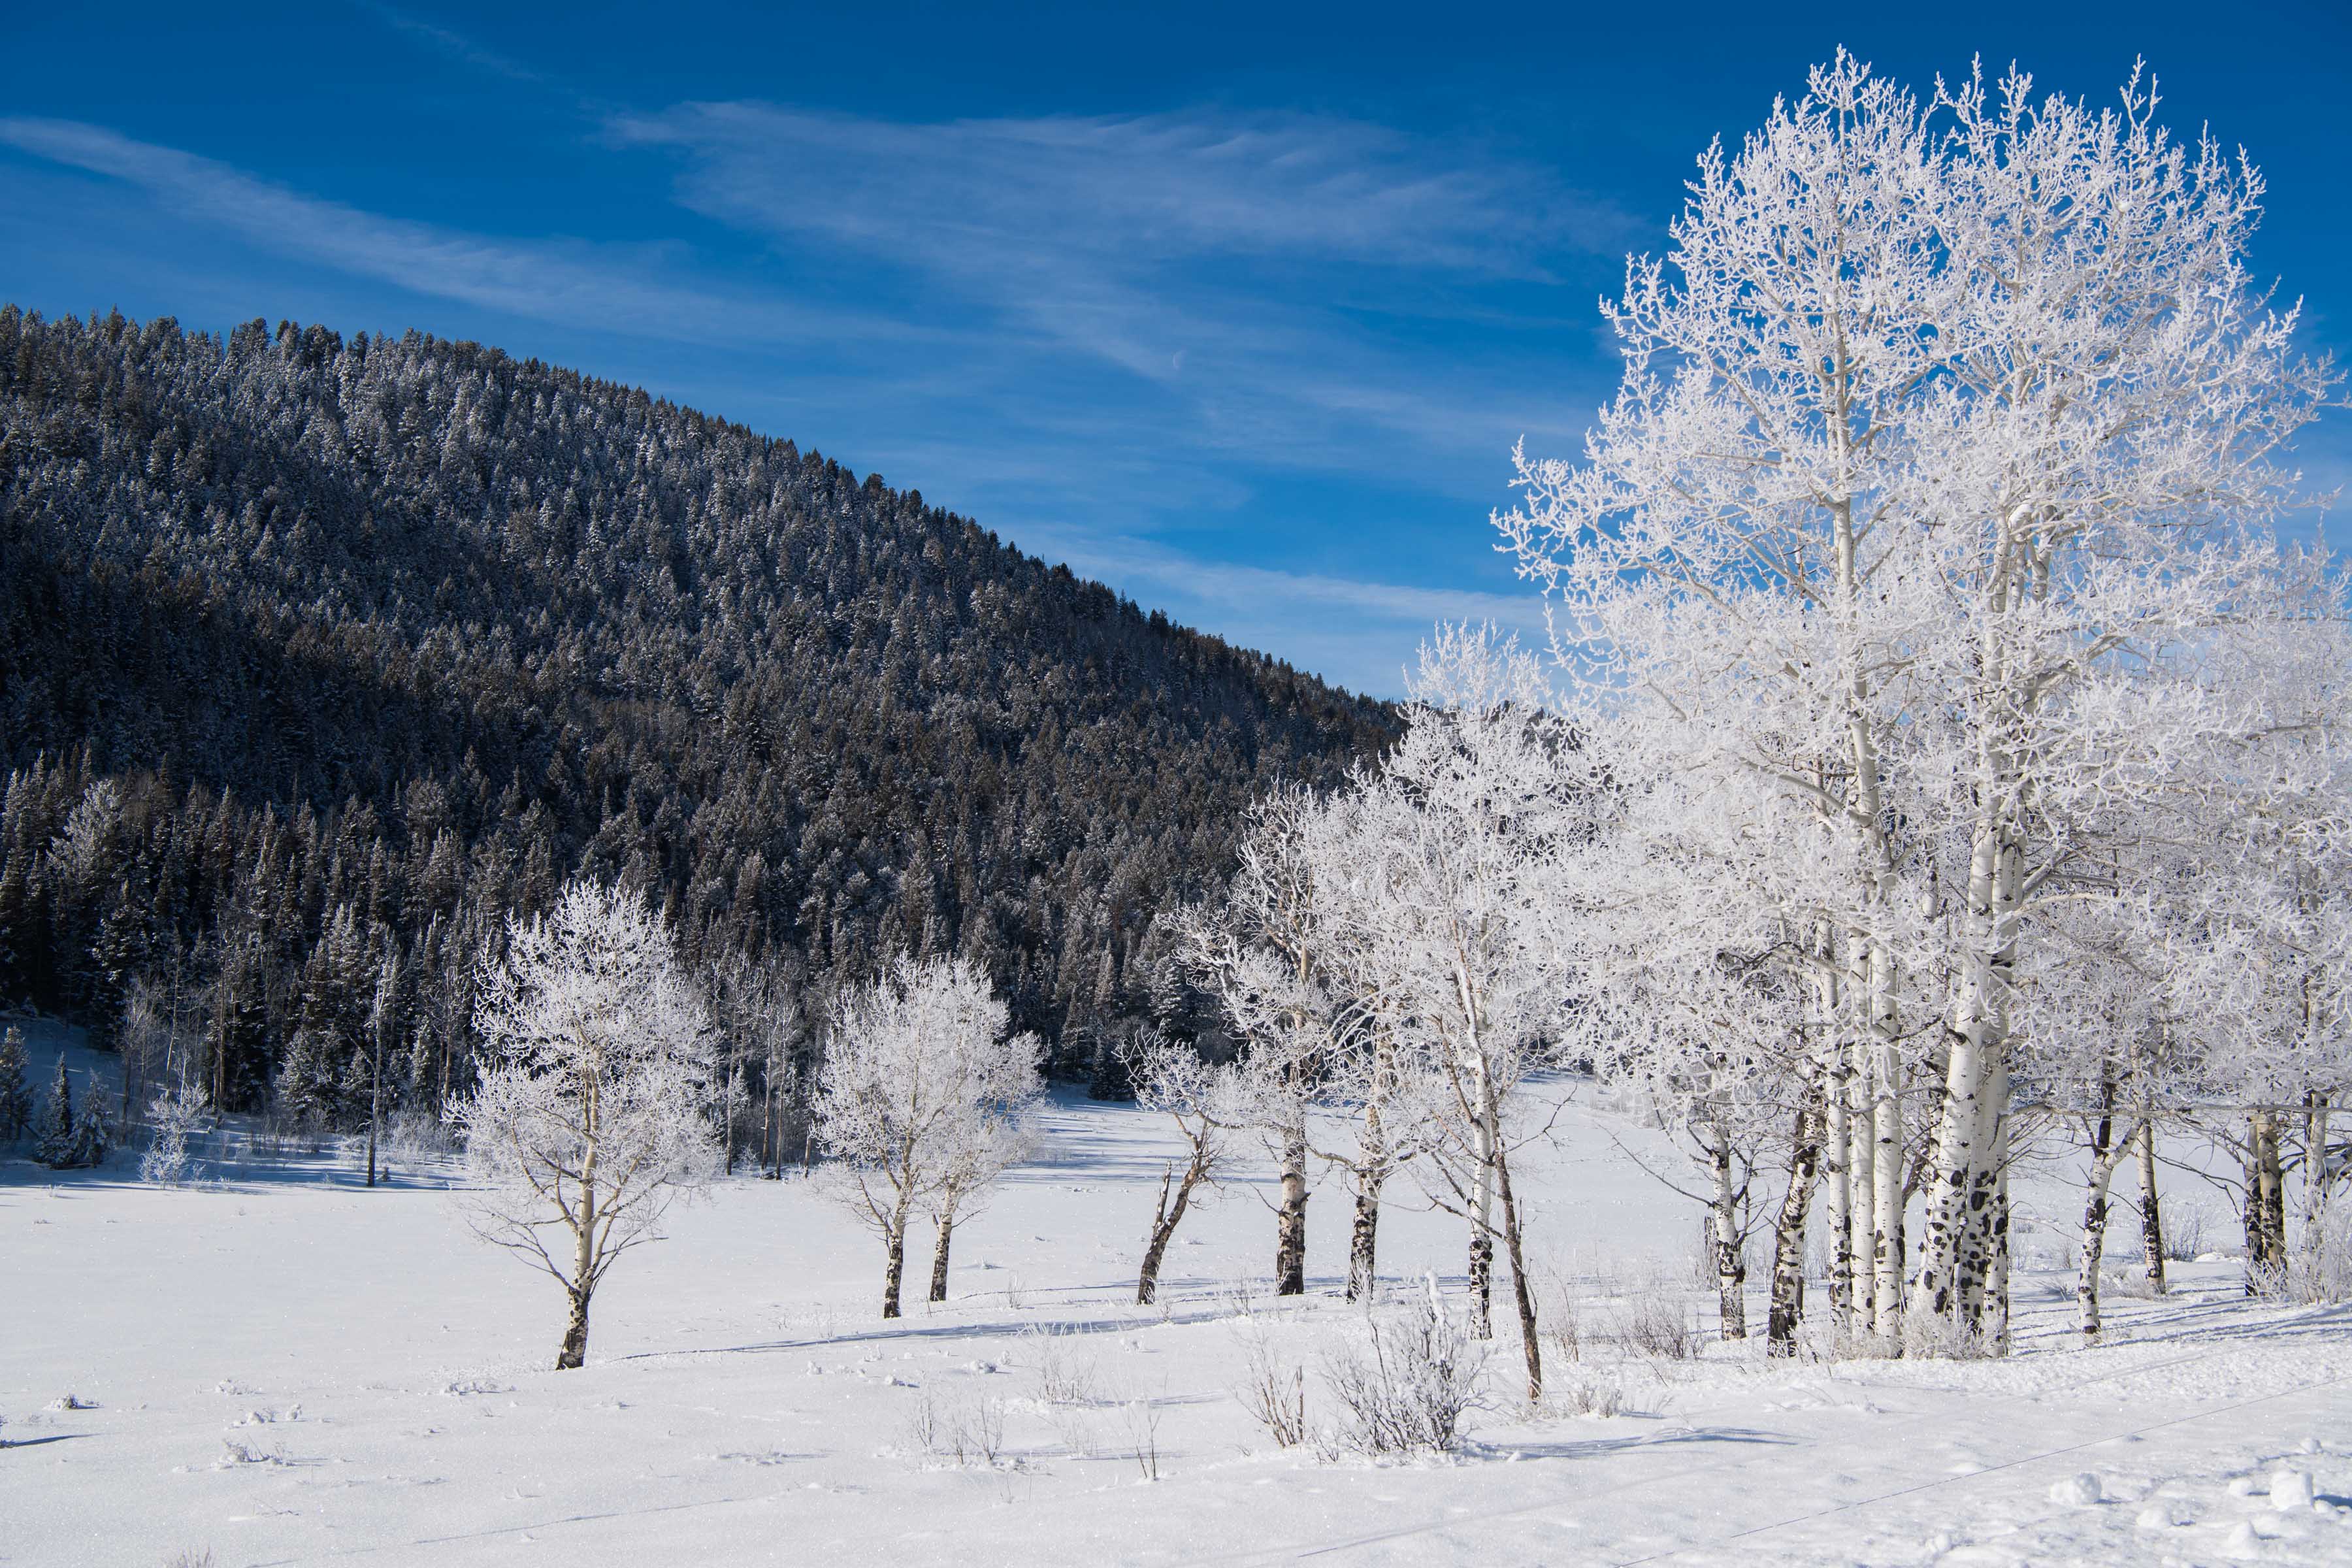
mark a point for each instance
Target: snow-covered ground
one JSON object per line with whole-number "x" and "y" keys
{"x": 286, "y": 1368}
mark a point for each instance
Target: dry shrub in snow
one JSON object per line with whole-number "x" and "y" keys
{"x": 1063, "y": 1376}
{"x": 1585, "y": 1393}
{"x": 2184, "y": 1233}
{"x": 2320, "y": 1271}
{"x": 1273, "y": 1387}
{"x": 1406, "y": 1387}
{"x": 1562, "y": 1325}
{"x": 175, "y": 1114}
{"x": 1939, "y": 1337}
{"x": 1655, "y": 1323}
{"x": 976, "y": 1433}
{"x": 1143, "y": 1434}
{"x": 969, "y": 1434}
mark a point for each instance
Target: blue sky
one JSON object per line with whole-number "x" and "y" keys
{"x": 1238, "y": 308}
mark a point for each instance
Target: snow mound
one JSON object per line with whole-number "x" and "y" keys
{"x": 2290, "y": 1490}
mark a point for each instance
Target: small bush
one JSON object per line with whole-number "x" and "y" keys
{"x": 1273, "y": 1389}
{"x": 1063, "y": 1377}
{"x": 2319, "y": 1271}
{"x": 1406, "y": 1389}
{"x": 1657, "y": 1324}
{"x": 1928, "y": 1337}
{"x": 175, "y": 1114}
{"x": 1584, "y": 1394}
{"x": 1562, "y": 1325}
{"x": 922, "y": 1430}
{"x": 976, "y": 1435}
{"x": 969, "y": 1435}
{"x": 2184, "y": 1234}
{"x": 1143, "y": 1434}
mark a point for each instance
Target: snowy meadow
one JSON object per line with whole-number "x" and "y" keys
{"x": 275, "y": 1364}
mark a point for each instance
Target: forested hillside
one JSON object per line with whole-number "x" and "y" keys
{"x": 318, "y": 656}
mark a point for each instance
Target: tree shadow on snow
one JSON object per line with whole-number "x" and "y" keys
{"x": 1600, "y": 1447}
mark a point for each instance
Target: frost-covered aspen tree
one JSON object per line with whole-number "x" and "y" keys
{"x": 590, "y": 1113}
{"x": 1265, "y": 954}
{"x": 1472, "y": 805}
{"x": 1204, "y": 1103}
{"x": 1835, "y": 1160}
{"x": 2106, "y": 1151}
{"x": 920, "y": 1081}
{"x": 1707, "y": 988}
{"x": 997, "y": 1131}
{"x": 1391, "y": 1114}
{"x": 1712, "y": 1045}
{"x": 1384, "y": 1108}
{"x": 1941, "y": 422}
{"x": 2102, "y": 442}
{"x": 2258, "y": 963}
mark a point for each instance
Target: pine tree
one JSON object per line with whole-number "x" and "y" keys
{"x": 90, "y": 1139}
{"x": 53, "y": 1127}
{"x": 16, "y": 1092}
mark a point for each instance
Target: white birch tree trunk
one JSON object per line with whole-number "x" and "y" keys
{"x": 1837, "y": 1196}
{"x": 1486, "y": 1141}
{"x": 1886, "y": 1182}
{"x": 2106, "y": 1154}
{"x": 1730, "y": 1260}
{"x": 1862, "y": 1215}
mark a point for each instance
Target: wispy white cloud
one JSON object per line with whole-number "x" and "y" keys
{"x": 573, "y": 284}
{"x": 1131, "y": 191}
{"x": 1202, "y": 252}
{"x": 455, "y": 44}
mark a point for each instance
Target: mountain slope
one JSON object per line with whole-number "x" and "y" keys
{"x": 400, "y": 632}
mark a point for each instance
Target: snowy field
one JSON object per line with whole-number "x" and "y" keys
{"x": 286, "y": 1368}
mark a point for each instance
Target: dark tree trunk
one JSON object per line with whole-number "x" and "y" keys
{"x": 1526, "y": 1300}
{"x": 2265, "y": 1206}
{"x": 940, "y": 1256}
{"x": 2151, "y": 1213}
{"x": 1164, "y": 1217}
{"x": 574, "y": 1353}
{"x": 1788, "y": 1309}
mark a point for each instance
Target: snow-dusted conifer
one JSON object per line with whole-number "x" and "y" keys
{"x": 68, "y": 1138}
{"x": 590, "y": 1113}
{"x": 16, "y": 1092}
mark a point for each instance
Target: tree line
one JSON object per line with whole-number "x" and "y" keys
{"x": 324, "y": 655}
